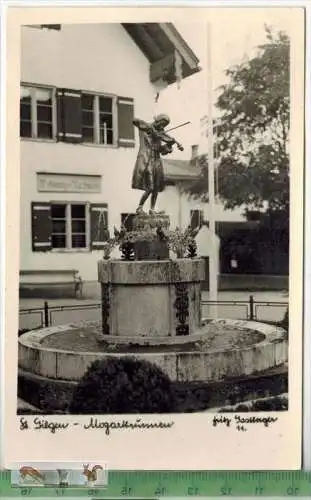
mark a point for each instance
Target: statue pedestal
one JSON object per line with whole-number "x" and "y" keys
{"x": 151, "y": 298}
{"x": 152, "y": 247}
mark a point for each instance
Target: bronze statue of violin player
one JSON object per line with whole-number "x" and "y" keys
{"x": 148, "y": 174}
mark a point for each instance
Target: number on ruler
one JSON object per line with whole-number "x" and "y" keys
{"x": 60, "y": 492}
{"x": 226, "y": 491}
{"x": 26, "y": 491}
{"x": 193, "y": 490}
{"x": 126, "y": 491}
{"x": 258, "y": 491}
{"x": 292, "y": 492}
{"x": 92, "y": 493}
{"x": 160, "y": 491}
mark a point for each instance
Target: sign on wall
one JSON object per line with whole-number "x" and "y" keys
{"x": 68, "y": 183}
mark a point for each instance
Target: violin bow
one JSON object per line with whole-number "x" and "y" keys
{"x": 178, "y": 126}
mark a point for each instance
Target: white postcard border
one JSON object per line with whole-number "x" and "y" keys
{"x": 192, "y": 443}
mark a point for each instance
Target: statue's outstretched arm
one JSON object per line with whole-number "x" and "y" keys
{"x": 141, "y": 124}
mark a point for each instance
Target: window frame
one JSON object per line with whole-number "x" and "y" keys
{"x": 96, "y": 120}
{"x": 201, "y": 216}
{"x": 33, "y": 113}
{"x": 54, "y": 27}
{"x": 68, "y": 224}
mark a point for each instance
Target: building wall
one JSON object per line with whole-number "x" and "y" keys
{"x": 91, "y": 58}
{"x": 179, "y": 207}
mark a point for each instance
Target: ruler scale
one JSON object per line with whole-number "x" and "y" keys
{"x": 156, "y": 484}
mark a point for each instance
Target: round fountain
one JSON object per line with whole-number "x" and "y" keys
{"x": 151, "y": 310}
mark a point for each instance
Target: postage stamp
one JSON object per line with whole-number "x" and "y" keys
{"x": 90, "y": 475}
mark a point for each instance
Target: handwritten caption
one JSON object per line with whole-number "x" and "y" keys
{"x": 241, "y": 424}
{"x": 41, "y": 424}
{"x": 237, "y": 422}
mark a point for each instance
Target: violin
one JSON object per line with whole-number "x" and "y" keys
{"x": 166, "y": 138}
{"x": 160, "y": 135}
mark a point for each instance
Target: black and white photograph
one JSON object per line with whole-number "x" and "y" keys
{"x": 156, "y": 208}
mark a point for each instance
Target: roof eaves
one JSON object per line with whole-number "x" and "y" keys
{"x": 181, "y": 45}
{"x": 164, "y": 67}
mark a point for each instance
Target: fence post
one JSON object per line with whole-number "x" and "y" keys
{"x": 46, "y": 314}
{"x": 251, "y": 307}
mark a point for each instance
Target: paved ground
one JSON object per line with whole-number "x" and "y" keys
{"x": 23, "y": 405}
{"x": 263, "y": 312}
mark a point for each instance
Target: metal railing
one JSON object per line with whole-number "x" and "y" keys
{"x": 250, "y": 309}
{"x": 47, "y": 315}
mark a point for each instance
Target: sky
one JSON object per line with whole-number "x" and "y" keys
{"x": 235, "y": 34}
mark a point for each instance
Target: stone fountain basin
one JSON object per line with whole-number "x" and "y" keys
{"x": 220, "y": 349}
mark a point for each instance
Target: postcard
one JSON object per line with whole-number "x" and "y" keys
{"x": 154, "y": 240}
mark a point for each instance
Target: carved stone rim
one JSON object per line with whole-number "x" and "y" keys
{"x": 185, "y": 366}
{"x": 33, "y": 338}
{"x": 151, "y": 272}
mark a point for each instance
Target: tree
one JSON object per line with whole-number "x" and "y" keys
{"x": 251, "y": 133}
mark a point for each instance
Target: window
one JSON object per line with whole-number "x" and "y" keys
{"x": 75, "y": 117}
{"x": 37, "y": 108}
{"x": 56, "y": 27}
{"x": 69, "y": 226}
{"x": 98, "y": 119}
{"x": 196, "y": 218}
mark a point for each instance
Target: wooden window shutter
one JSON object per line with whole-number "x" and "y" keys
{"x": 51, "y": 26}
{"x": 41, "y": 223}
{"x": 196, "y": 218}
{"x": 127, "y": 221}
{"x": 125, "y": 122}
{"x": 69, "y": 115}
{"x": 60, "y": 115}
{"x": 99, "y": 225}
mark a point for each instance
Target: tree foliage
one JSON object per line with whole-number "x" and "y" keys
{"x": 252, "y": 132}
